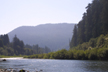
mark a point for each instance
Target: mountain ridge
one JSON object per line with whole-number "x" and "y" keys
{"x": 55, "y": 36}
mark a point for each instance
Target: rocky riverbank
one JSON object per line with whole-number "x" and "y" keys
{"x": 13, "y": 70}
{"x": 16, "y": 70}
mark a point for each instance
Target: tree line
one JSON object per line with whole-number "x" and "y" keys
{"x": 94, "y": 23}
{"x": 94, "y": 49}
{"x": 17, "y": 47}
{"x": 94, "y": 54}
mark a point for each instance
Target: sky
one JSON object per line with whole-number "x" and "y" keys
{"x": 15, "y": 13}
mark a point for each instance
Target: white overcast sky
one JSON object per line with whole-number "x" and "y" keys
{"x": 15, "y": 13}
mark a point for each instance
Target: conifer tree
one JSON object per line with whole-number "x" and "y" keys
{"x": 74, "y": 38}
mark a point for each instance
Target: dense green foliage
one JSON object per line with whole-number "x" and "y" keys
{"x": 17, "y": 47}
{"x": 4, "y": 40}
{"x": 90, "y": 35}
{"x": 94, "y": 54}
{"x": 94, "y": 23}
{"x": 74, "y": 38}
{"x": 99, "y": 42}
{"x": 95, "y": 49}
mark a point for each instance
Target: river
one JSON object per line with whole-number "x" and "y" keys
{"x": 48, "y": 65}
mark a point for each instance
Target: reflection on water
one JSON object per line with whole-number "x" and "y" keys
{"x": 98, "y": 66}
{"x": 56, "y": 65}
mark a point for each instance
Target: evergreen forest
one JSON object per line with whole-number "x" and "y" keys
{"x": 94, "y": 23}
{"x": 17, "y": 47}
{"x": 90, "y": 36}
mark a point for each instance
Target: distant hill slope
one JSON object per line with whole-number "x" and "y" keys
{"x": 54, "y": 36}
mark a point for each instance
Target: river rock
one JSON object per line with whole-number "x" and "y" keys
{"x": 22, "y": 70}
{"x": 4, "y": 60}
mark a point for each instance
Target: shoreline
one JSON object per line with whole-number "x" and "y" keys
{"x": 12, "y": 58}
{"x": 13, "y": 70}
{"x": 17, "y": 70}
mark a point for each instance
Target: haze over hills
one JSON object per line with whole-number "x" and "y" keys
{"x": 54, "y": 36}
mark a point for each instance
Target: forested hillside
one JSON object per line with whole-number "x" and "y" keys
{"x": 17, "y": 47}
{"x": 94, "y": 23}
{"x": 90, "y": 36}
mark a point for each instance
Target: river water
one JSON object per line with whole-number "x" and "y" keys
{"x": 48, "y": 65}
